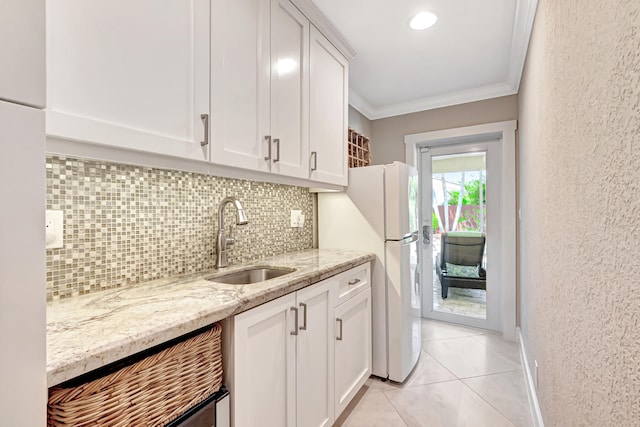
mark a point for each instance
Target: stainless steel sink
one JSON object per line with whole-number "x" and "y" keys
{"x": 251, "y": 275}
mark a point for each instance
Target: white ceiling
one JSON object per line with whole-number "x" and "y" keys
{"x": 475, "y": 51}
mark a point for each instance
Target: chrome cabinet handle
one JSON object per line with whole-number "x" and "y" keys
{"x": 354, "y": 281}
{"x": 268, "y": 139}
{"x": 304, "y": 317}
{"x": 205, "y": 122}
{"x": 295, "y": 329}
{"x": 277, "y": 142}
{"x": 339, "y": 337}
{"x": 314, "y": 155}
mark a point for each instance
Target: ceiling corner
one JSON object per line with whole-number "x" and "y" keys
{"x": 358, "y": 102}
{"x": 522, "y": 28}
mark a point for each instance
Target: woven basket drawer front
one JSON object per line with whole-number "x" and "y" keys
{"x": 151, "y": 392}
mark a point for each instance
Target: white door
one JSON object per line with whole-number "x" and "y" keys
{"x": 289, "y": 90}
{"x": 240, "y": 74}
{"x": 315, "y": 349}
{"x": 461, "y": 196}
{"x": 265, "y": 365}
{"x": 353, "y": 348}
{"x": 328, "y": 111}
{"x": 403, "y": 307}
{"x": 129, "y": 74}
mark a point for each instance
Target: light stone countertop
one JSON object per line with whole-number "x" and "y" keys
{"x": 90, "y": 331}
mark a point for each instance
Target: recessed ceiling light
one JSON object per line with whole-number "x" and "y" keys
{"x": 423, "y": 20}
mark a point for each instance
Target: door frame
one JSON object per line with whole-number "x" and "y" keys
{"x": 505, "y": 133}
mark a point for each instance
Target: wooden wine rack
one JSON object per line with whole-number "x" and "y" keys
{"x": 359, "y": 150}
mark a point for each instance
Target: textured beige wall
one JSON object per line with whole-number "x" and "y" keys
{"x": 387, "y": 135}
{"x": 580, "y": 194}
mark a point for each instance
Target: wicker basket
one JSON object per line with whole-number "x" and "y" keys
{"x": 150, "y": 392}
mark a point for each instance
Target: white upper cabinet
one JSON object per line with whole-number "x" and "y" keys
{"x": 289, "y": 90}
{"x": 130, "y": 74}
{"x": 246, "y": 84}
{"x": 240, "y": 73}
{"x": 260, "y": 86}
{"x": 329, "y": 80}
{"x": 22, "y": 49}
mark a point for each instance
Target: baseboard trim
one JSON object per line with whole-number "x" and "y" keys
{"x": 534, "y": 406}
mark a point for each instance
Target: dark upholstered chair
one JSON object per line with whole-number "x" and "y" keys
{"x": 464, "y": 249}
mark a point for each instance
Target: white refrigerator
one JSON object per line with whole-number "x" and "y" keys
{"x": 379, "y": 213}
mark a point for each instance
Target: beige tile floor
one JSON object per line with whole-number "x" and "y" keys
{"x": 465, "y": 377}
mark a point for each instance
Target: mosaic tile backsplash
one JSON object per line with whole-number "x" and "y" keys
{"x": 125, "y": 224}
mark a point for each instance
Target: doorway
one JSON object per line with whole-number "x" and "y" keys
{"x": 497, "y": 140}
{"x": 459, "y": 286}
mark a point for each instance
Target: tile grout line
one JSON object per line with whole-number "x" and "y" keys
{"x": 453, "y": 338}
{"x": 489, "y": 403}
{"x": 395, "y": 409}
{"x": 491, "y": 374}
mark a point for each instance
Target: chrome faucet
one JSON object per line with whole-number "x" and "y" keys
{"x": 223, "y": 240}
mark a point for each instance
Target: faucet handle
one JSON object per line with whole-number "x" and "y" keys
{"x": 230, "y": 239}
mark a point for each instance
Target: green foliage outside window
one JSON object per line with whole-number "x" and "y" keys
{"x": 471, "y": 194}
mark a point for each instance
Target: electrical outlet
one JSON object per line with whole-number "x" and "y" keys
{"x": 297, "y": 219}
{"x": 54, "y": 227}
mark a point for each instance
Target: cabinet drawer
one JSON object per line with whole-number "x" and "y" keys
{"x": 352, "y": 282}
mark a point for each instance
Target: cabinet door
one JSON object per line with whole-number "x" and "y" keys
{"x": 130, "y": 74}
{"x": 328, "y": 111}
{"x": 264, "y": 390}
{"x": 315, "y": 349}
{"x": 240, "y": 83}
{"x": 352, "y": 348}
{"x": 22, "y": 42}
{"x": 289, "y": 90}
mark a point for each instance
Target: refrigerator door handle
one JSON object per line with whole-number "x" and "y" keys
{"x": 409, "y": 238}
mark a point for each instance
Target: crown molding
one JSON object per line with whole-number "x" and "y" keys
{"x": 359, "y": 103}
{"x": 432, "y": 102}
{"x": 317, "y": 18}
{"x": 522, "y": 27}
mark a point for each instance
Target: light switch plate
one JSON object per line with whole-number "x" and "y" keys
{"x": 54, "y": 226}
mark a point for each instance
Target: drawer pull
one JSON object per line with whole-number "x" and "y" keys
{"x": 304, "y": 316}
{"x": 205, "y": 123}
{"x": 295, "y": 328}
{"x": 354, "y": 281}
{"x": 277, "y": 142}
{"x": 339, "y": 337}
{"x": 267, "y": 138}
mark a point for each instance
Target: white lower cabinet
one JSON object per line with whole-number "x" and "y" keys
{"x": 290, "y": 364}
{"x": 263, "y": 377}
{"x": 352, "y": 348}
{"x": 282, "y": 370}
